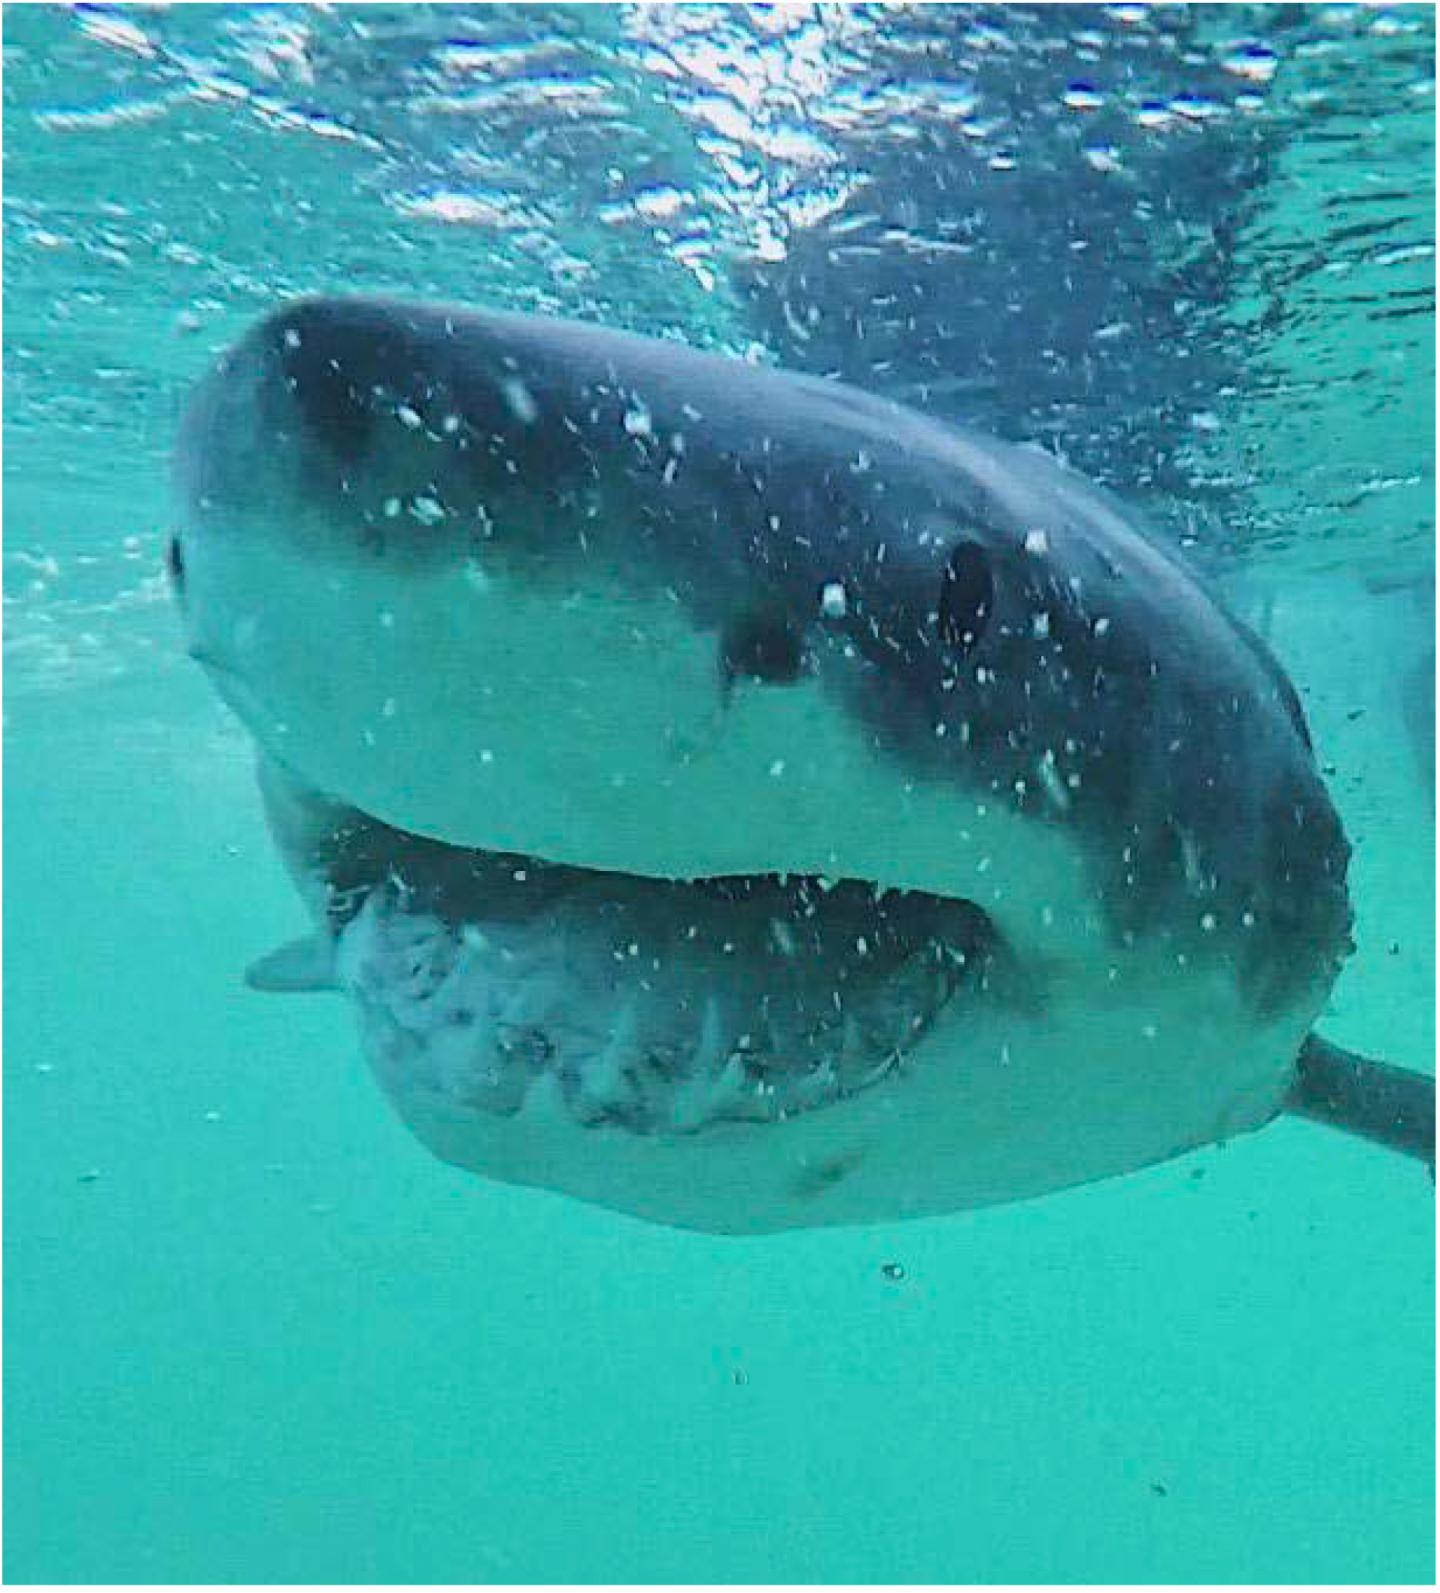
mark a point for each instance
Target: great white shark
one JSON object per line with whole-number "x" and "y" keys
{"x": 740, "y": 800}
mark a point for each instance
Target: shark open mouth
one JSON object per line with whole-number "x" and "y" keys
{"x": 492, "y": 981}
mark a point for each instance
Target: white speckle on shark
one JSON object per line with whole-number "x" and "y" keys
{"x": 870, "y": 820}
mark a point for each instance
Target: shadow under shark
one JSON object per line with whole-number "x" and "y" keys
{"x": 741, "y": 801}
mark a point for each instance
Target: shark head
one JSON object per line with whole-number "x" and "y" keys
{"x": 682, "y": 641}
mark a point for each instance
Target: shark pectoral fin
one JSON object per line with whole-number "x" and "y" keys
{"x": 1392, "y": 1106}
{"x": 307, "y": 963}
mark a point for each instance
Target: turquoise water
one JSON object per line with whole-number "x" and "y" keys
{"x": 254, "y": 1333}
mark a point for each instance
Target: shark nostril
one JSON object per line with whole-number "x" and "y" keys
{"x": 175, "y": 564}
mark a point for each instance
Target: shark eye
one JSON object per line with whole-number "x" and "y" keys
{"x": 763, "y": 647}
{"x": 967, "y": 596}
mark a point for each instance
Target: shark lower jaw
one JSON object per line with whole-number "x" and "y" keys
{"x": 503, "y": 985}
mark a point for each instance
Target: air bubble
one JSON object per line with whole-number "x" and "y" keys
{"x": 1082, "y": 97}
{"x": 638, "y": 422}
{"x": 1196, "y": 108}
{"x": 1253, "y": 62}
{"x": 519, "y": 400}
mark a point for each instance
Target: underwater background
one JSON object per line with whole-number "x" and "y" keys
{"x": 252, "y": 1331}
